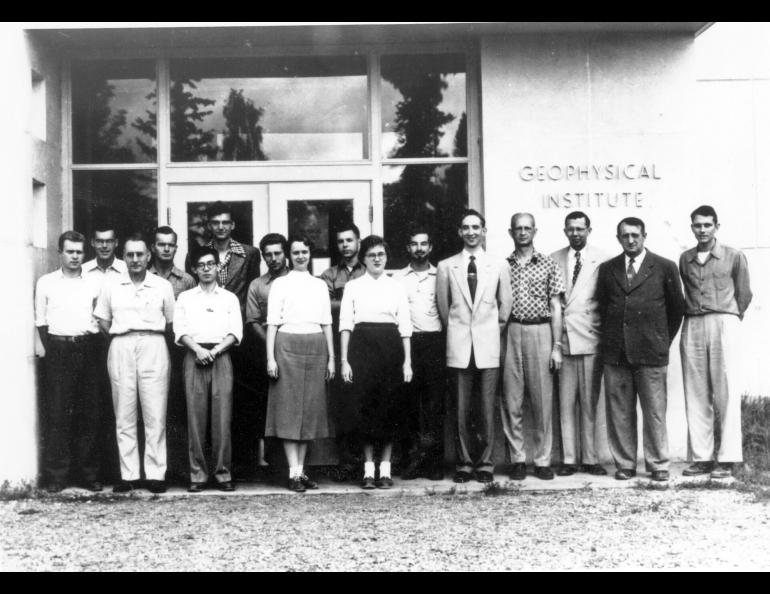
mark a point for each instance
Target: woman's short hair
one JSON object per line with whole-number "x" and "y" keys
{"x": 370, "y": 242}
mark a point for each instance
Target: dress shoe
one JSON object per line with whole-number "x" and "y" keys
{"x": 437, "y": 474}
{"x": 461, "y": 476}
{"x": 594, "y": 469}
{"x": 566, "y": 470}
{"x": 384, "y": 482}
{"x": 698, "y": 469}
{"x": 155, "y": 486}
{"x": 196, "y": 487}
{"x": 660, "y": 476}
{"x": 226, "y": 486}
{"x": 295, "y": 484}
{"x": 625, "y": 474}
{"x": 55, "y": 488}
{"x": 93, "y": 486}
{"x": 722, "y": 471}
{"x": 519, "y": 472}
{"x": 308, "y": 483}
{"x": 368, "y": 483}
{"x": 123, "y": 487}
{"x": 484, "y": 476}
{"x": 544, "y": 473}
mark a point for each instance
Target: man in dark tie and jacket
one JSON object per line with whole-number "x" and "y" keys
{"x": 641, "y": 306}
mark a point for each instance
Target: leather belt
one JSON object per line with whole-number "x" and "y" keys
{"x": 531, "y": 322}
{"x": 72, "y": 339}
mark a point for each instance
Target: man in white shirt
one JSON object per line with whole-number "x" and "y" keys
{"x": 207, "y": 321}
{"x": 105, "y": 242}
{"x": 64, "y": 304}
{"x": 422, "y": 445}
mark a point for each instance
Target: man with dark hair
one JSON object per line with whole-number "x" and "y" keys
{"x": 164, "y": 248}
{"x": 641, "y": 307}
{"x": 580, "y": 376}
{"x": 105, "y": 242}
{"x": 718, "y": 293}
{"x": 470, "y": 294}
{"x": 64, "y": 305}
{"x": 207, "y": 320}
{"x": 136, "y": 310}
{"x": 275, "y": 251}
{"x": 423, "y": 403}
{"x": 532, "y": 346}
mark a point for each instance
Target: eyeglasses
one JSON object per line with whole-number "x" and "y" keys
{"x": 101, "y": 242}
{"x": 206, "y": 265}
{"x": 377, "y": 256}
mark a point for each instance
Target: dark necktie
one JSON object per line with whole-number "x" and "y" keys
{"x": 472, "y": 277}
{"x": 578, "y": 266}
{"x": 630, "y": 272}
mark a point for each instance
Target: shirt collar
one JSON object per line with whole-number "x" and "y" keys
{"x": 637, "y": 259}
{"x": 235, "y": 247}
{"x": 718, "y": 252}
{"x": 217, "y": 289}
{"x": 149, "y": 279}
{"x": 343, "y": 266}
{"x": 534, "y": 260}
{"x": 61, "y": 274}
{"x": 117, "y": 266}
{"x": 174, "y": 271}
{"x": 409, "y": 270}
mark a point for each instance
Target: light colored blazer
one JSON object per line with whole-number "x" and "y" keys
{"x": 581, "y": 321}
{"x": 469, "y": 324}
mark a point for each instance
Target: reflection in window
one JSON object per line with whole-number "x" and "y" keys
{"x": 276, "y": 109}
{"x": 198, "y": 232}
{"x": 423, "y": 106}
{"x": 114, "y": 111}
{"x": 424, "y": 195}
{"x": 319, "y": 220}
{"x": 126, "y": 199}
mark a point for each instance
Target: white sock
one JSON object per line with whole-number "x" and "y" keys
{"x": 368, "y": 469}
{"x": 384, "y": 469}
{"x": 300, "y": 470}
{"x": 293, "y": 472}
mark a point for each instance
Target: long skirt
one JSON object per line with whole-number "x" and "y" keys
{"x": 297, "y": 400}
{"x": 376, "y": 355}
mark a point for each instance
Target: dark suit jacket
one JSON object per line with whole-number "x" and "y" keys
{"x": 643, "y": 319}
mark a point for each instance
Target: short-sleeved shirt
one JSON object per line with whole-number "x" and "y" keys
{"x": 421, "y": 289}
{"x": 299, "y": 304}
{"x": 117, "y": 268}
{"x": 338, "y": 276}
{"x": 179, "y": 279}
{"x": 533, "y": 285}
{"x": 150, "y": 307}
{"x": 66, "y": 304}
{"x": 257, "y": 296}
{"x": 207, "y": 317}
{"x": 377, "y": 301}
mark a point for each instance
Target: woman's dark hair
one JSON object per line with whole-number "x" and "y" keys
{"x": 299, "y": 239}
{"x": 368, "y": 243}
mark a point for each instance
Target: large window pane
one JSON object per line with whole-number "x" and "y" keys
{"x": 424, "y": 195}
{"x": 423, "y": 106}
{"x": 269, "y": 109}
{"x": 114, "y": 111}
{"x": 126, "y": 199}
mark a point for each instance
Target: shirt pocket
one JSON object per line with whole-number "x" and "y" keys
{"x": 151, "y": 307}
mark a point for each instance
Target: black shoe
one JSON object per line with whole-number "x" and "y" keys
{"x": 659, "y": 475}
{"x": 157, "y": 487}
{"x": 384, "y": 482}
{"x": 123, "y": 487}
{"x": 519, "y": 472}
{"x": 594, "y": 469}
{"x": 461, "y": 476}
{"x": 368, "y": 483}
{"x": 566, "y": 470}
{"x": 484, "y": 476}
{"x": 437, "y": 474}
{"x": 625, "y": 474}
{"x": 226, "y": 486}
{"x": 698, "y": 469}
{"x": 295, "y": 484}
{"x": 544, "y": 473}
{"x": 93, "y": 486}
{"x": 55, "y": 487}
{"x": 308, "y": 483}
{"x": 196, "y": 487}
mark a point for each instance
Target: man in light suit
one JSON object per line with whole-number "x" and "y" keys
{"x": 641, "y": 306}
{"x": 580, "y": 376}
{"x": 469, "y": 295}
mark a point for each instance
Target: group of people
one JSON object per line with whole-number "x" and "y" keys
{"x": 364, "y": 356}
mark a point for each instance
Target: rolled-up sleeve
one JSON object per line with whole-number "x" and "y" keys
{"x": 253, "y": 310}
{"x": 168, "y": 303}
{"x": 234, "y": 320}
{"x": 743, "y": 295}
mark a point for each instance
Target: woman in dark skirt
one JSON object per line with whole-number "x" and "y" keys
{"x": 375, "y": 328}
{"x": 300, "y": 359}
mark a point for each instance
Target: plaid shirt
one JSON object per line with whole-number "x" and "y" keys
{"x": 235, "y": 248}
{"x": 533, "y": 285}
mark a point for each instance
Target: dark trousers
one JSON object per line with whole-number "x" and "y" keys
{"x": 423, "y": 405}
{"x": 72, "y": 410}
{"x": 176, "y": 418}
{"x": 245, "y": 419}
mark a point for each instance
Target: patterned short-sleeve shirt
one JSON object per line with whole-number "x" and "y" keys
{"x": 533, "y": 285}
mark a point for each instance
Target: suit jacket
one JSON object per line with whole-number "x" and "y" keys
{"x": 643, "y": 319}
{"x": 471, "y": 325}
{"x": 581, "y": 320}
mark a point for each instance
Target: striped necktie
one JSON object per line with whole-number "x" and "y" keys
{"x": 578, "y": 266}
{"x": 630, "y": 271}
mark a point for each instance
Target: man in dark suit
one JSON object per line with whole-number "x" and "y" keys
{"x": 641, "y": 306}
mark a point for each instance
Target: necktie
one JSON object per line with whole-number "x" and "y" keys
{"x": 472, "y": 277}
{"x": 630, "y": 271}
{"x": 578, "y": 266}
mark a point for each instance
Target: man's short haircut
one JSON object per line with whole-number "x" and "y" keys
{"x": 201, "y": 251}
{"x": 218, "y": 208}
{"x": 273, "y": 239}
{"x": 370, "y": 242}
{"x": 73, "y": 236}
{"x": 419, "y": 230}
{"x": 573, "y": 216}
{"x": 165, "y": 230}
{"x": 104, "y": 224}
{"x": 470, "y": 212}
{"x": 350, "y": 226}
{"x": 704, "y": 211}
{"x": 518, "y": 215}
{"x": 136, "y": 236}
{"x": 632, "y": 222}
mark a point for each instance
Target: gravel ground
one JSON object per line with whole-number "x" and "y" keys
{"x": 588, "y": 529}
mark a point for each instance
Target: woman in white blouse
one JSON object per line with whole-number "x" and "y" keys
{"x": 375, "y": 328}
{"x": 300, "y": 357}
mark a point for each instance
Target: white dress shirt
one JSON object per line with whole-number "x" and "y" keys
{"x": 147, "y": 308}
{"x": 377, "y": 301}
{"x": 207, "y": 317}
{"x": 65, "y": 304}
{"x": 637, "y": 260}
{"x": 299, "y": 304}
{"x": 421, "y": 290}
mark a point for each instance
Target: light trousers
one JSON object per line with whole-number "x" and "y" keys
{"x": 709, "y": 352}
{"x": 580, "y": 381}
{"x": 138, "y": 364}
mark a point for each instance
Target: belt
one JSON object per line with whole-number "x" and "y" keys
{"x": 74, "y": 339}
{"x": 531, "y": 322}
{"x": 141, "y": 333}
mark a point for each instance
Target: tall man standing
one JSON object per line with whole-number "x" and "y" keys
{"x": 136, "y": 310}
{"x": 423, "y": 404}
{"x": 717, "y": 293}
{"x": 580, "y": 377}
{"x": 470, "y": 292}
{"x": 64, "y": 305}
{"x": 641, "y": 307}
{"x": 532, "y": 346}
